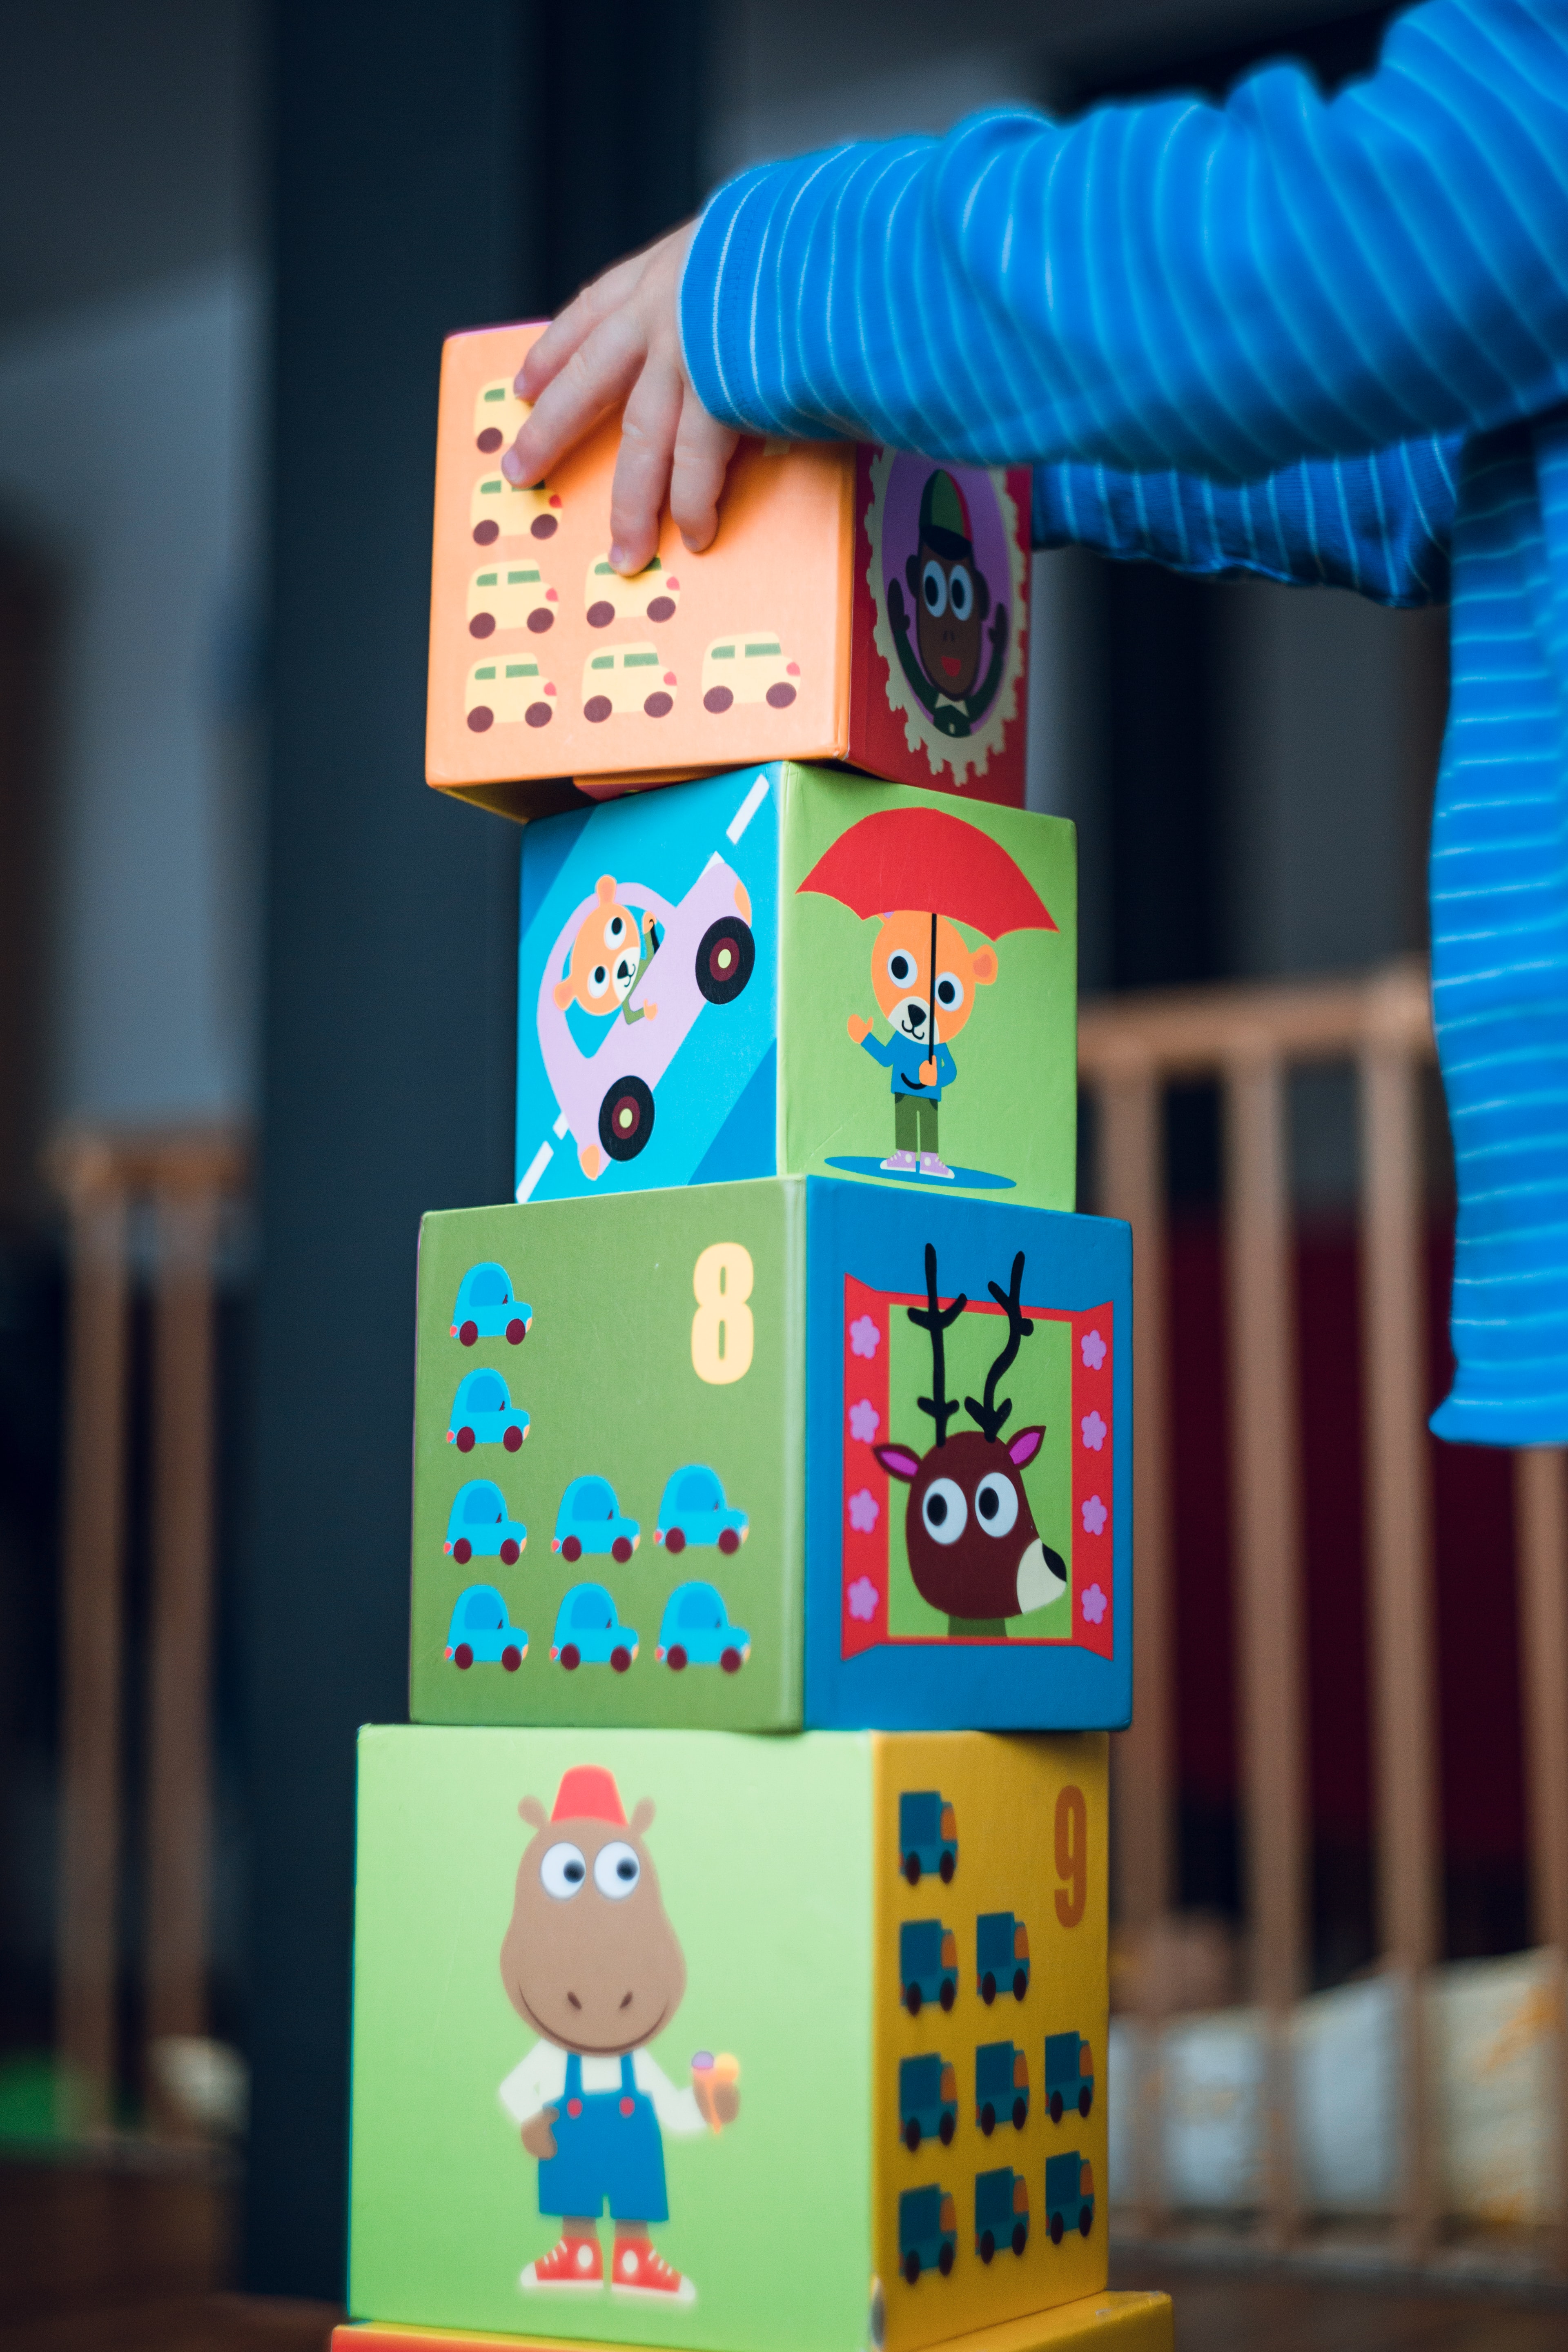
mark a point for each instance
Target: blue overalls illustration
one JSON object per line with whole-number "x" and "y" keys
{"x": 607, "y": 2145}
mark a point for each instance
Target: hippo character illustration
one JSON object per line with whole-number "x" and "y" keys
{"x": 591, "y": 1962}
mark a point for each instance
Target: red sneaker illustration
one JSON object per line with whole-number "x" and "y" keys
{"x": 574, "y": 2262}
{"x": 636, "y": 2270}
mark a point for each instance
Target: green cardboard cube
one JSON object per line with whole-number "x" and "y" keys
{"x": 670, "y": 2038}
{"x": 679, "y": 1461}
{"x": 732, "y": 978}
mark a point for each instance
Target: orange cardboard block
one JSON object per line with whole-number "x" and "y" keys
{"x": 858, "y": 604}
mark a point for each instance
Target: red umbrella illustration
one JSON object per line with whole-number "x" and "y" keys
{"x": 920, "y": 858}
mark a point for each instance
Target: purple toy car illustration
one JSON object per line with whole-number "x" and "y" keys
{"x": 704, "y": 956}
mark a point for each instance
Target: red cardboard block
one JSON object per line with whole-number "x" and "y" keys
{"x": 858, "y": 604}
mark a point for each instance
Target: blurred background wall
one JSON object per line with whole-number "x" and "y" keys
{"x": 231, "y": 237}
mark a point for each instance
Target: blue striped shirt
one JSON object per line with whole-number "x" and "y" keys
{"x": 1321, "y": 339}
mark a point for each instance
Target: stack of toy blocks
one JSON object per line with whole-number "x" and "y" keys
{"x": 790, "y": 1398}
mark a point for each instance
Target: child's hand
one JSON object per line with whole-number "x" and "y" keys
{"x": 928, "y": 1074}
{"x": 620, "y": 339}
{"x": 858, "y": 1028}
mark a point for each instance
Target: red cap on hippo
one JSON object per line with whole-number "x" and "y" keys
{"x": 588, "y": 1793}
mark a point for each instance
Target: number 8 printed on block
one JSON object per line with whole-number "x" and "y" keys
{"x": 722, "y": 1327}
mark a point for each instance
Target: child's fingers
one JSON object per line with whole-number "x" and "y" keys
{"x": 642, "y": 468}
{"x": 567, "y": 334}
{"x": 704, "y": 449}
{"x": 596, "y": 376}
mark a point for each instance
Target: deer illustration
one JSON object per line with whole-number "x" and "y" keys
{"x": 973, "y": 1547}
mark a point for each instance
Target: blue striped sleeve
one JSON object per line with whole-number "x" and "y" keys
{"x": 1381, "y": 525}
{"x": 1222, "y": 289}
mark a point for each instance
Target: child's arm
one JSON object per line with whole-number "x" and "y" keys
{"x": 1379, "y": 525}
{"x": 1225, "y": 288}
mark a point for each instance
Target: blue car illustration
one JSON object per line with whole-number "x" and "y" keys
{"x": 487, "y": 1307}
{"x": 484, "y": 1414}
{"x": 586, "y": 1633}
{"x": 479, "y": 1634}
{"x": 589, "y": 1522}
{"x": 692, "y": 1510}
{"x": 479, "y": 1526}
{"x": 696, "y": 1631}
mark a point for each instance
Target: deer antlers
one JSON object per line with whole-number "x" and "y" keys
{"x": 935, "y": 1319}
{"x": 989, "y": 1416}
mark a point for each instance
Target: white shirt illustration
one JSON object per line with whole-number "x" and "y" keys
{"x": 541, "y": 2082}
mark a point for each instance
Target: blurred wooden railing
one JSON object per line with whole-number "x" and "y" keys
{"x": 174, "y": 1184}
{"x": 1248, "y": 1039}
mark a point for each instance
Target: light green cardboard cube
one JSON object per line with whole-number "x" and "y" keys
{"x": 753, "y": 1996}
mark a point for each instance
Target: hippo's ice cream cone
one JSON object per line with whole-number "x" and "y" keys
{"x": 710, "y": 2075}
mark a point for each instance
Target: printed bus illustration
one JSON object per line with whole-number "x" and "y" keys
{"x": 510, "y": 597}
{"x": 487, "y": 1307}
{"x": 695, "y": 1631}
{"x": 503, "y": 693}
{"x": 927, "y": 2101}
{"x": 479, "y": 1526}
{"x": 692, "y": 1511}
{"x": 587, "y": 1632}
{"x": 927, "y": 2233}
{"x": 480, "y": 1632}
{"x": 1001, "y": 2211}
{"x": 1001, "y": 2086}
{"x": 748, "y": 668}
{"x": 704, "y": 957}
{"x": 1001, "y": 1955}
{"x": 927, "y": 1835}
{"x": 497, "y": 413}
{"x": 651, "y": 595}
{"x": 591, "y": 1521}
{"x": 1069, "y": 2075}
{"x": 1070, "y": 2195}
{"x": 484, "y": 1414}
{"x": 499, "y": 510}
{"x": 626, "y": 678}
{"x": 928, "y": 1964}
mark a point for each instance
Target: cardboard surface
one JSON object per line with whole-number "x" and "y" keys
{"x": 675, "y": 1399}
{"x": 733, "y": 979}
{"x": 881, "y": 1650}
{"x": 809, "y": 629}
{"x": 1022, "y": 1860}
{"x": 751, "y": 1897}
{"x": 636, "y": 1414}
{"x": 1114, "y": 2320}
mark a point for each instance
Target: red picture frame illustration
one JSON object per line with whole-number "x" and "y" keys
{"x": 870, "y": 1499}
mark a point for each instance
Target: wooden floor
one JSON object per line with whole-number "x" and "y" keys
{"x": 120, "y": 2261}
{"x": 124, "y": 2262}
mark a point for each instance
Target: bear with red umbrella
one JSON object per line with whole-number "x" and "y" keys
{"x": 921, "y": 872}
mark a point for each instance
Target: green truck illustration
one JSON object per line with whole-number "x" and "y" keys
{"x": 1001, "y": 1955}
{"x": 927, "y": 2233}
{"x": 1001, "y": 2211}
{"x": 1070, "y": 2195}
{"x": 1069, "y": 2075}
{"x": 927, "y": 1835}
{"x": 927, "y": 2101}
{"x": 1001, "y": 2085}
{"x": 928, "y": 1964}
